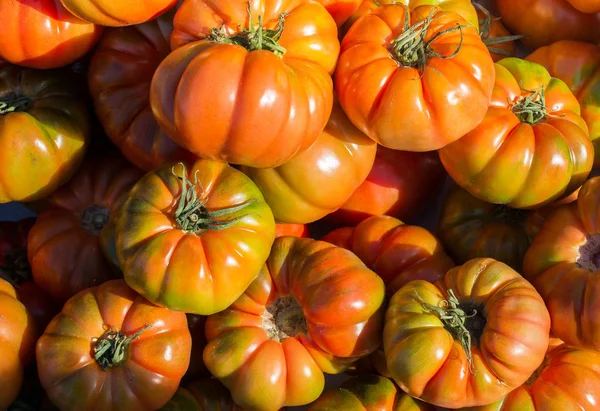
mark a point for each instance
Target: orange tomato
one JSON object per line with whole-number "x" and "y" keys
{"x": 118, "y": 13}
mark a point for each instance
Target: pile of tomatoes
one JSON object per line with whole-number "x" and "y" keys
{"x": 228, "y": 201}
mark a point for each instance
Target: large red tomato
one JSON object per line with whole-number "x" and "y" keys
{"x": 255, "y": 89}
{"x": 414, "y": 80}
{"x": 192, "y": 237}
{"x": 469, "y": 339}
{"x": 578, "y": 65}
{"x": 119, "y": 77}
{"x": 44, "y": 133}
{"x": 563, "y": 263}
{"x": 118, "y": 13}
{"x": 314, "y": 308}
{"x": 319, "y": 180}
{"x": 110, "y": 349}
{"x": 399, "y": 184}
{"x": 545, "y": 21}
{"x": 17, "y": 339}
{"x": 69, "y": 244}
{"x": 397, "y": 252}
{"x": 531, "y": 148}
{"x": 42, "y": 34}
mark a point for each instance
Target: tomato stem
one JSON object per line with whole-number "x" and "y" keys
{"x": 112, "y": 348}
{"x": 193, "y": 216}
{"x": 16, "y": 269}
{"x": 508, "y": 215}
{"x": 12, "y": 103}
{"x": 284, "y": 319}
{"x": 254, "y": 37}
{"x": 485, "y": 26}
{"x": 94, "y": 218}
{"x": 531, "y": 109}
{"x": 589, "y": 253}
{"x": 410, "y": 48}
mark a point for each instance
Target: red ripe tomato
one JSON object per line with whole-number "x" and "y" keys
{"x": 257, "y": 80}
{"x": 563, "y": 263}
{"x": 192, "y": 237}
{"x": 69, "y": 244}
{"x": 469, "y": 339}
{"x": 118, "y": 13}
{"x": 17, "y": 340}
{"x": 42, "y": 34}
{"x": 578, "y": 65}
{"x": 202, "y": 395}
{"x": 399, "y": 184}
{"x": 314, "y": 308}
{"x": 119, "y": 77}
{"x": 545, "y": 21}
{"x": 319, "y": 180}
{"x": 433, "y": 59}
{"x": 397, "y": 252}
{"x": 296, "y": 230}
{"x": 44, "y": 133}
{"x": 111, "y": 349}
{"x": 532, "y": 147}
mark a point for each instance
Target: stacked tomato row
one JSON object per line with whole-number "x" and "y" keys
{"x": 221, "y": 190}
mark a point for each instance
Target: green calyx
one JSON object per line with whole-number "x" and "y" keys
{"x": 531, "y": 109}
{"x": 485, "y": 26}
{"x": 13, "y": 103}
{"x": 254, "y": 37}
{"x": 16, "y": 269}
{"x": 112, "y": 348}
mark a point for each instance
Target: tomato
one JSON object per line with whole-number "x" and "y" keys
{"x": 586, "y": 6}
{"x": 296, "y": 230}
{"x": 318, "y": 181}
{"x": 368, "y": 393}
{"x": 116, "y": 13}
{"x": 578, "y": 65}
{"x": 314, "y": 308}
{"x": 341, "y": 10}
{"x": 262, "y": 92}
{"x": 532, "y": 147}
{"x": 42, "y": 34}
{"x": 119, "y": 77}
{"x": 197, "y": 369}
{"x": 17, "y": 340}
{"x": 438, "y": 64}
{"x": 563, "y": 264}
{"x": 471, "y": 228}
{"x": 192, "y": 237}
{"x": 569, "y": 379}
{"x": 469, "y": 339}
{"x": 202, "y": 395}
{"x": 397, "y": 252}
{"x": 44, "y": 133}
{"x": 139, "y": 352}
{"x": 462, "y": 7}
{"x": 496, "y": 37}
{"x": 545, "y": 21}
{"x": 399, "y": 184}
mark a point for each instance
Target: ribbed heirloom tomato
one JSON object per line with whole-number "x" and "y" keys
{"x": 466, "y": 340}
{"x": 321, "y": 179}
{"x": 314, "y": 308}
{"x": 118, "y": 13}
{"x": 192, "y": 237}
{"x": 414, "y": 79}
{"x": 72, "y": 246}
{"x": 44, "y": 133}
{"x": 253, "y": 86}
{"x": 531, "y": 148}
{"x": 42, "y": 34}
{"x": 110, "y": 349}
{"x": 119, "y": 77}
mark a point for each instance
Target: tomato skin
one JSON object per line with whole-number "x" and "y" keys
{"x": 41, "y": 148}
{"x": 319, "y": 180}
{"x": 399, "y": 184}
{"x": 569, "y": 379}
{"x": 508, "y": 161}
{"x": 197, "y": 270}
{"x": 17, "y": 340}
{"x": 545, "y": 21}
{"x": 202, "y": 395}
{"x": 119, "y": 77}
{"x": 578, "y": 65}
{"x": 586, "y": 6}
{"x": 368, "y": 80}
{"x": 116, "y": 14}
{"x": 429, "y": 363}
{"x": 296, "y": 230}
{"x": 562, "y": 264}
{"x": 157, "y": 360}
{"x": 341, "y": 10}
{"x": 43, "y": 34}
{"x": 324, "y": 281}
{"x": 397, "y": 252}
